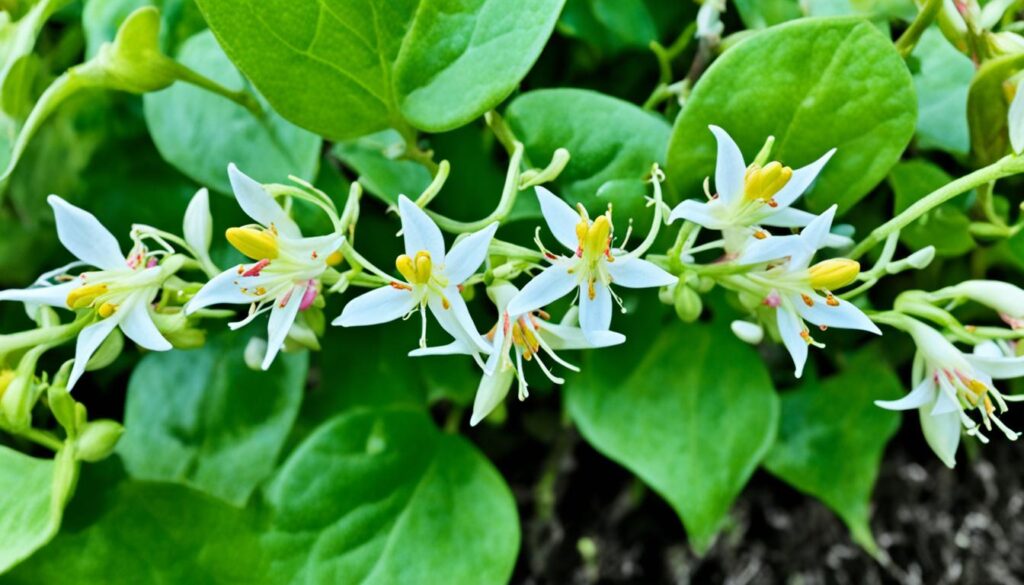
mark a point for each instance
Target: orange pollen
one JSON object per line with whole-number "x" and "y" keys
{"x": 314, "y": 255}
{"x": 988, "y": 406}
{"x": 400, "y": 285}
{"x": 543, "y": 314}
{"x": 807, "y": 300}
{"x": 806, "y": 335}
{"x": 760, "y": 234}
{"x": 823, "y": 327}
{"x": 772, "y": 203}
{"x": 445, "y": 303}
{"x": 831, "y": 301}
{"x": 590, "y": 290}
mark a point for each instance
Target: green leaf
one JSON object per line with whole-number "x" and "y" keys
{"x": 610, "y": 25}
{"x": 200, "y": 132}
{"x": 381, "y": 496}
{"x": 988, "y": 105}
{"x": 613, "y": 144}
{"x": 945, "y": 227}
{"x": 814, "y": 84}
{"x": 384, "y": 177}
{"x": 831, "y": 439}
{"x": 347, "y": 68}
{"x": 692, "y": 415}
{"x": 765, "y": 13}
{"x": 942, "y": 76}
{"x": 204, "y": 419}
{"x": 34, "y": 493}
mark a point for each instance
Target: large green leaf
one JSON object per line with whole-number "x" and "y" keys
{"x": 372, "y": 158}
{"x": 814, "y": 84}
{"x": 613, "y": 144}
{"x": 945, "y": 227}
{"x": 831, "y": 438}
{"x": 204, "y": 419}
{"x": 692, "y": 415}
{"x": 942, "y": 76}
{"x": 346, "y": 68}
{"x": 200, "y": 132}
{"x": 381, "y": 496}
{"x": 610, "y": 25}
{"x": 763, "y": 13}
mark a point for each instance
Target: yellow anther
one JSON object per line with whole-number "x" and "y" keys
{"x": 406, "y": 268}
{"x": 834, "y": 273}
{"x": 84, "y": 296}
{"x": 979, "y": 389}
{"x": 334, "y": 259}
{"x": 107, "y": 309}
{"x": 807, "y": 300}
{"x": 764, "y": 182}
{"x": 591, "y": 293}
{"x": 597, "y": 235}
{"x": 424, "y": 267}
{"x": 254, "y": 243}
{"x": 581, "y": 231}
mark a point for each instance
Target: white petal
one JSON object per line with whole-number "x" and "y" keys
{"x": 837, "y": 241}
{"x": 259, "y": 205}
{"x": 304, "y": 248}
{"x": 843, "y": 316}
{"x": 457, "y": 347}
{"x": 281, "y": 319}
{"x": 88, "y": 341}
{"x": 547, "y": 287}
{"x": 770, "y": 248}
{"x": 501, "y": 294}
{"x": 785, "y": 217}
{"x": 988, "y": 349}
{"x": 918, "y": 397}
{"x": 489, "y": 394}
{"x": 567, "y": 337}
{"x": 137, "y": 325}
{"x": 637, "y": 273}
{"x": 801, "y": 180}
{"x": 944, "y": 402}
{"x": 595, "y": 313}
{"x": 1000, "y": 368}
{"x": 456, "y": 319}
{"x": 818, "y": 230}
{"x": 560, "y": 217}
{"x": 729, "y": 167}
{"x": 377, "y": 306}
{"x": 702, "y": 214}
{"x": 790, "y": 328}
{"x": 226, "y": 288}
{"x": 198, "y": 223}
{"x": 942, "y": 433}
{"x": 54, "y": 296}
{"x": 468, "y": 254}
{"x": 85, "y": 237}
{"x": 419, "y": 231}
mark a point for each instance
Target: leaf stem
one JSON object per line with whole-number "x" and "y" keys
{"x": 508, "y": 199}
{"x": 908, "y": 40}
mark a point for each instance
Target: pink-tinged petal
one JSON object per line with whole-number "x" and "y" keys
{"x": 547, "y": 287}
{"x": 730, "y": 169}
{"x": 637, "y": 273}
{"x": 259, "y": 205}
{"x": 923, "y": 394}
{"x": 801, "y": 180}
{"x": 85, "y": 237}
{"x": 281, "y": 318}
{"x": 790, "y": 329}
{"x": 468, "y": 254}
{"x": 137, "y": 325}
{"x": 489, "y": 394}
{"x": 843, "y": 315}
{"x": 419, "y": 231}
{"x": 377, "y": 306}
{"x": 456, "y": 320}
{"x": 560, "y": 217}
{"x": 54, "y": 296}
{"x": 88, "y": 342}
{"x": 596, "y": 312}
{"x": 942, "y": 433}
{"x": 565, "y": 337}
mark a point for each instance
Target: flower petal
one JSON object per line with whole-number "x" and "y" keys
{"x": 942, "y": 432}
{"x": 281, "y": 319}
{"x": 88, "y": 342}
{"x": 54, "y": 296}
{"x": 566, "y": 337}
{"x": 1000, "y": 368}
{"x": 547, "y": 287}
{"x": 595, "y": 313}
{"x": 137, "y": 325}
{"x": 305, "y": 249}
{"x": 702, "y": 214}
{"x": 419, "y": 231}
{"x": 790, "y": 328}
{"x": 770, "y": 248}
{"x": 377, "y": 306}
{"x": 729, "y": 167}
{"x": 226, "y": 288}
{"x": 785, "y": 217}
{"x": 85, "y": 237}
{"x": 468, "y": 254}
{"x": 814, "y": 236}
{"x": 560, "y": 217}
{"x": 845, "y": 315}
{"x": 259, "y": 205}
{"x": 918, "y": 397}
{"x": 637, "y": 273}
{"x": 457, "y": 347}
{"x": 198, "y": 224}
{"x": 489, "y": 394}
{"x": 801, "y": 180}
{"x": 455, "y": 319}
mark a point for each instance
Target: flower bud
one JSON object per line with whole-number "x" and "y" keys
{"x": 687, "y": 303}
{"x": 254, "y": 243}
{"x": 1001, "y": 297}
{"x": 107, "y": 351}
{"x": 178, "y": 329}
{"x": 98, "y": 440}
{"x": 21, "y": 392}
{"x": 134, "y": 62}
{"x": 834, "y": 273}
{"x": 61, "y": 404}
{"x": 748, "y": 332}
{"x": 922, "y": 258}
{"x": 255, "y": 349}
{"x": 198, "y": 223}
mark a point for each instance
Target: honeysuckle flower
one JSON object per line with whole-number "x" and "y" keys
{"x": 119, "y": 293}
{"x": 948, "y": 383}
{"x": 284, "y": 277}
{"x": 591, "y": 269}
{"x": 517, "y": 338}
{"x": 798, "y": 291}
{"x": 749, "y": 197}
{"x": 432, "y": 280}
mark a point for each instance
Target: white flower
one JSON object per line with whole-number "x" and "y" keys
{"x": 120, "y": 292}
{"x": 591, "y": 269}
{"x": 1002, "y": 297}
{"x": 432, "y": 280}
{"x": 285, "y": 277}
{"x": 948, "y": 383}
{"x": 791, "y": 286}
{"x": 197, "y": 227}
{"x": 515, "y": 338}
{"x": 750, "y": 197}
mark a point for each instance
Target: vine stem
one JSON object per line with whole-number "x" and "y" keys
{"x": 908, "y": 40}
{"x": 1004, "y": 167}
{"x": 508, "y": 199}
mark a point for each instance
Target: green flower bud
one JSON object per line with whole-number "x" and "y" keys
{"x": 133, "y": 62}
{"x": 98, "y": 440}
{"x": 687, "y": 303}
{"x": 107, "y": 352}
{"x": 254, "y": 352}
{"x": 179, "y": 330}
{"x": 61, "y": 404}
{"x": 21, "y": 392}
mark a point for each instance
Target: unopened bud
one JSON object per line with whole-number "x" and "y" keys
{"x": 21, "y": 392}
{"x": 748, "y": 332}
{"x": 62, "y": 405}
{"x": 98, "y": 440}
{"x": 134, "y": 62}
{"x": 922, "y": 258}
{"x": 254, "y": 243}
{"x": 833, "y": 274}
{"x": 178, "y": 329}
{"x": 107, "y": 351}
{"x": 255, "y": 349}
{"x": 999, "y": 296}
{"x": 687, "y": 303}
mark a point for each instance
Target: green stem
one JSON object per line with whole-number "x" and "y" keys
{"x": 357, "y": 260}
{"x": 413, "y": 151}
{"x": 51, "y": 336}
{"x": 657, "y": 176}
{"x": 508, "y": 199}
{"x": 242, "y": 98}
{"x": 435, "y": 186}
{"x": 908, "y": 40}
{"x": 1004, "y": 167}
{"x": 43, "y": 438}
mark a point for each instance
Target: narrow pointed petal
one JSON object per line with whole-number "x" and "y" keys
{"x": 457, "y": 347}
{"x": 918, "y": 397}
{"x": 566, "y": 337}
{"x": 818, "y": 230}
{"x": 377, "y": 306}
{"x": 595, "y": 313}
{"x": 198, "y": 224}
{"x": 137, "y": 325}
{"x": 88, "y": 342}
{"x": 489, "y": 394}
{"x": 468, "y": 254}
{"x": 85, "y": 237}
{"x": 281, "y": 319}
{"x": 560, "y": 217}
{"x": 942, "y": 433}
{"x": 702, "y": 214}
{"x": 226, "y": 288}
{"x": 54, "y": 296}
{"x": 309, "y": 248}
{"x": 944, "y": 403}
{"x": 786, "y": 217}
{"x": 498, "y": 349}
{"x": 547, "y": 287}
{"x": 844, "y": 316}
{"x": 638, "y": 273}
{"x": 801, "y": 180}
{"x": 790, "y": 328}
{"x": 1000, "y": 368}
{"x": 456, "y": 320}
{"x": 259, "y": 205}
{"x": 729, "y": 167}
{"x": 419, "y": 231}
{"x": 770, "y": 248}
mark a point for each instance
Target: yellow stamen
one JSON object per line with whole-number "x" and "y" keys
{"x": 764, "y": 182}
{"x": 254, "y": 243}
{"x": 423, "y": 266}
{"x": 334, "y": 259}
{"x": 107, "y": 309}
{"x": 597, "y": 235}
{"x": 84, "y": 296}
{"x": 581, "y": 231}
{"x": 979, "y": 389}
{"x": 807, "y": 300}
{"x": 834, "y": 273}
{"x": 591, "y": 293}
{"x": 406, "y": 268}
